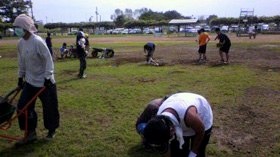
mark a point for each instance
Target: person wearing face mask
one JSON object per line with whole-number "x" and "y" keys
{"x": 182, "y": 125}
{"x": 36, "y": 70}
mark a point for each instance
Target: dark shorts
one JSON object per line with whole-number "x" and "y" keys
{"x": 225, "y": 48}
{"x": 202, "y": 49}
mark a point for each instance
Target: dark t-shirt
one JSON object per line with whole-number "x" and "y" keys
{"x": 49, "y": 42}
{"x": 224, "y": 39}
{"x": 150, "y": 46}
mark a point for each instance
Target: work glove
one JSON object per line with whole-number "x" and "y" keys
{"x": 20, "y": 82}
{"x": 48, "y": 83}
{"x": 192, "y": 154}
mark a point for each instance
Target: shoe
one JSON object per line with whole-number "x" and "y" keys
{"x": 82, "y": 76}
{"x": 31, "y": 137}
{"x": 225, "y": 62}
{"x": 221, "y": 61}
{"x": 51, "y": 135}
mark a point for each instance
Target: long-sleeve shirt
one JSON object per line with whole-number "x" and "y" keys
{"x": 34, "y": 60}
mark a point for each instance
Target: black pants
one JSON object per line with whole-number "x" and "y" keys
{"x": 50, "y": 107}
{"x": 177, "y": 152}
{"x": 82, "y": 57}
{"x": 83, "y": 65}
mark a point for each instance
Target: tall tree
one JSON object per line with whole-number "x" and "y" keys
{"x": 173, "y": 14}
{"x": 118, "y": 12}
{"x": 10, "y": 9}
{"x": 128, "y": 13}
{"x": 150, "y": 15}
{"x": 119, "y": 21}
{"x": 138, "y": 12}
{"x": 211, "y": 18}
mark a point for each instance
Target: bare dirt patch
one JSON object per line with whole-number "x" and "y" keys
{"x": 251, "y": 125}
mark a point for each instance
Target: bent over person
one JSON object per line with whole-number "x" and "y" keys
{"x": 149, "y": 49}
{"x": 36, "y": 70}
{"x": 183, "y": 125}
{"x": 149, "y": 112}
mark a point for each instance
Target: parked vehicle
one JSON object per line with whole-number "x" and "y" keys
{"x": 125, "y": 31}
{"x": 188, "y": 29}
{"x": 74, "y": 32}
{"x": 207, "y": 28}
{"x": 102, "y": 53}
{"x": 117, "y": 31}
{"x": 148, "y": 31}
{"x": 224, "y": 28}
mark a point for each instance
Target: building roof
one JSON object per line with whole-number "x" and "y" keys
{"x": 182, "y": 21}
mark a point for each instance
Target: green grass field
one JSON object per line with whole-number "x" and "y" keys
{"x": 98, "y": 113}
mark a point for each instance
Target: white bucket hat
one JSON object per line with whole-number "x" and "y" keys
{"x": 25, "y": 22}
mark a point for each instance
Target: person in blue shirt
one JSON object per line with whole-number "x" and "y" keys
{"x": 149, "y": 49}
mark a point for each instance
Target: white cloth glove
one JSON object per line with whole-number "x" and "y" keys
{"x": 192, "y": 154}
{"x": 82, "y": 42}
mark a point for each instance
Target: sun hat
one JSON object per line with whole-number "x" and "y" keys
{"x": 26, "y": 22}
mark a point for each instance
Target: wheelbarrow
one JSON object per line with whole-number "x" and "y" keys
{"x": 104, "y": 52}
{"x": 8, "y": 112}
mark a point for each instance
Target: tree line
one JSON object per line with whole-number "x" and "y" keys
{"x": 10, "y": 9}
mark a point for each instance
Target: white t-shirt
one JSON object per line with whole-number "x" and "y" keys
{"x": 35, "y": 61}
{"x": 181, "y": 102}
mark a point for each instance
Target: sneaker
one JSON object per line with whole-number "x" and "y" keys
{"x": 225, "y": 62}
{"x": 31, "y": 137}
{"x": 82, "y": 76}
{"x": 51, "y": 135}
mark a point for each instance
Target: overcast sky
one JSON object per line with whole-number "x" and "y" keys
{"x": 81, "y": 10}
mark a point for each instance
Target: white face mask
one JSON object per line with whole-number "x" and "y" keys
{"x": 19, "y": 32}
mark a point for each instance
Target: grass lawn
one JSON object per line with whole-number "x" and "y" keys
{"x": 98, "y": 113}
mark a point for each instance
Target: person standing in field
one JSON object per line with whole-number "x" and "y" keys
{"x": 224, "y": 45}
{"x": 81, "y": 52}
{"x": 203, "y": 39}
{"x": 87, "y": 46}
{"x": 49, "y": 42}
{"x": 36, "y": 70}
{"x": 149, "y": 49}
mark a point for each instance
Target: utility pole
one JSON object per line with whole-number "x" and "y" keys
{"x": 96, "y": 13}
{"x": 31, "y": 7}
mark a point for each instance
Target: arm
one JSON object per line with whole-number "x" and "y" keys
{"x": 208, "y": 39}
{"x": 192, "y": 120}
{"x": 150, "y": 111}
{"x": 21, "y": 65}
{"x": 216, "y": 37}
{"x": 44, "y": 52}
{"x": 145, "y": 49}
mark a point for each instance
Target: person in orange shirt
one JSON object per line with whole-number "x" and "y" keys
{"x": 203, "y": 39}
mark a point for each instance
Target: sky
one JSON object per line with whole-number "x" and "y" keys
{"x": 70, "y": 11}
